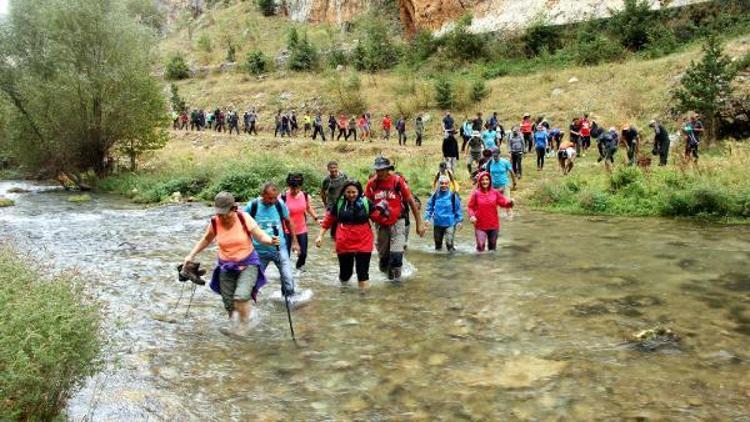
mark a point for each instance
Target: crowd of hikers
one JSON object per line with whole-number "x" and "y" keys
{"x": 377, "y": 215}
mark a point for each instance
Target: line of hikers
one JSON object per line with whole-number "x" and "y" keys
{"x": 268, "y": 228}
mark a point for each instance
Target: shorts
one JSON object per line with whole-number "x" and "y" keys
{"x": 571, "y": 153}
{"x": 237, "y": 285}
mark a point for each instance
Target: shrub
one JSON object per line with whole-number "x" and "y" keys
{"x": 540, "y": 38}
{"x": 421, "y": 47}
{"x": 462, "y": 45}
{"x": 375, "y": 51}
{"x": 592, "y": 47}
{"x": 593, "y": 201}
{"x": 624, "y": 176}
{"x": 633, "y": 24}
{"x": 231, "y": 53}
{"x": 267, "y": 7}
{"x": 178, "y": 104}
{"x": 176, "y": 69}
{"x": 479, "y": 90}
{"x": 49, "y": 339}
{"x": 303, "y": 55}
{"x": 256, "y": 63}
{"x": 205, "y": 44}
{"x": 347, "y": 91}
{"x": 444, "y": 93}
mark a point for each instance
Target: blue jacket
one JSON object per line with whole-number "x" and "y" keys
{"x": 444, "y": 209}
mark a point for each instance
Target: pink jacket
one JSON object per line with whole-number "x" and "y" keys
{"x": 483, "y": 205}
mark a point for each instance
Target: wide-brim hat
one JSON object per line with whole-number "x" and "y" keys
{"x": 382, "y": 163}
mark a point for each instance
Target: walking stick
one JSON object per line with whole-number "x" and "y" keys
{"x": 187, "y": 313}
{"x": 286, "y": 297}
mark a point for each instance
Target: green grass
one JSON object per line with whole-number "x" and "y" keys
{"x": 49, "y": 339}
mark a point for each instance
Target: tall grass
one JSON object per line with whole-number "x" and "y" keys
{"x": 49, "y": 339}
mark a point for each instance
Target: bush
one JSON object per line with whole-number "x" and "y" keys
{"x": 266, "y": 7}
{"x": 421, "y": 47}
{"x": 49, "y": 339}
{"x": 479, "y": 90}
{"x": 624, "y": 176}
{"x": 178, "y": 104}
{"x": 256, "y": 63}
{"x": 375, "y": 50}
{"x": 540, "y": 38}
{"x": 176, "y": 69}
{"x": 347, "y": 92}
{"x": 594, "y": 201}
{"x": 462, "y": 45}
{"x": 593, "y": 47}
{"x": 444, "y": 93}
{"x": 302, "y": 53}
{"x": 231, "y": 53}
{"x": 205, "y": 44}
{"x": 633, "y": 24}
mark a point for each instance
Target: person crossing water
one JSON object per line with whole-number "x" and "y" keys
{"x": 298, "y": 203}
{"x": 239, "y": 273}
{"x": 482, "y": 210}
{"x": 444, "y": 212}
{"x": 331, "y": 187}
{"x": 499, "y": 169}
{"x": 354, "y": 239}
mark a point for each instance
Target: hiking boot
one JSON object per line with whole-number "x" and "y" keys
{"x": 395, "y": 275}
{"x": 192, "y": 272}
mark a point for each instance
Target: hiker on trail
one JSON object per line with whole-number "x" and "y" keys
{"x": 352, "y": 127}
{"x": 697, "y": 125}
{"x": 362, "y": 125}
{"x": 482, "y": 209}
{"x": 492, "y": 122}
{"x": 661, "y": 142}
{"x": 477, "y": 124}
{"x": 489, "y": 138}
{"x": 499, "y": 168}
{"x": 272, "y": 215}
{"x": 389, "y": 192}
{"x": 368, "y": 126}
{"x": 285, "y": 128}
{"x": 252, "y": 118}
{"x": 219, "y": 118}
{"x": 450, "y": 150}
{"x": 556, "y": 136}
{"x": 527, "y": 130}
{"x": 277, "y": 124}
{"x": 405, "y": 206}
{"x": 331, "y": 187}
{"x": 299, "y": 204}
{"x": 307, "y": 121}
{"x": 566, "y": 155}
{"x": 293, "y": 125}
{"x": 246, "y": 122}
{"x": 608, "y": 143}
{"x": 175, "y": 120}
{"x": 201, "y": 119}
{"x": 541, "y": 142}
{"x": 194, "y": 120}
{"x": 350, "y": 216}
{"x": 632, "y": 140}
{"x": 486, "y": 157}
{"x": 342, "y": 124}
{"x": 692, "y": 140}
{"x": 318, "y": 127}
{"x": 443, "y": 170}
{"x": 444, "y": 212}
{"x": 517, "y": 147}
{"x": 574, "y": 134}
{"x": 234, "y": 122}
{"x": 448, "y": 122}
{"x": 184, "y": 120}
{"x": 387, "y": 124}
{"x": 238, "y": 274}
{"x": 475, "y": 150}
{"x": 332, "y": 124}
{"x": 419, "y": 130}
{"x": 401, "y": 130}
{"x": 585, "y": 133}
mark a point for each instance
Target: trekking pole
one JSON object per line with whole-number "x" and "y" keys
{"x": 187, "y": 313}
{"x": 283, "y": 291}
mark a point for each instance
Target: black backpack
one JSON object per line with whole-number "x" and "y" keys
{"x": 279, "y": 210}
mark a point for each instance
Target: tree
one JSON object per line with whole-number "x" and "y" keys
{"x": 266, "y": 7}
{"x": 256, "y": 63}
{"x": 633, "y": 23}
{"x": 178, "y": 104}
{"x": 302, "y": 54}
{"x": 706, "y": 85}
{"x": 78, "y": 80}
{"x": 176, "y": 69}
{"x": 444, "y": 93}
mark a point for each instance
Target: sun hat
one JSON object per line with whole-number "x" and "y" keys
{"x": 223, "y": 203}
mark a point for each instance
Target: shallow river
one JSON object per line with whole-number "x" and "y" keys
{"x": 536, "y": 331}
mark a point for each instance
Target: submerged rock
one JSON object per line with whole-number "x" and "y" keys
{"x": 5, "y": 202}
{"x": 18, "y": 190}
{"x": 79, "y": 198}
{"x": 654, "y": 339}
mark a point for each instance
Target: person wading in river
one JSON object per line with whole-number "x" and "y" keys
{"x": 331, "y": 187}
{"x": 482, "y": 210}
{"x": 238, "y": 274}
{"x": 298, "y": 203}
{"x": 444, "y": 211}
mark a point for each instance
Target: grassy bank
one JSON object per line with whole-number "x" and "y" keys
{"x": 49, "y": 339}
{"x": 718, "y": 188}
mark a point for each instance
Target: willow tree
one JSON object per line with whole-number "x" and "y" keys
{"x": 76, "y": 77}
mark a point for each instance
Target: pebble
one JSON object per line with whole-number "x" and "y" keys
{"x": 351, "y": 321}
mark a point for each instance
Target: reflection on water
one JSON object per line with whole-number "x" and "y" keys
{"x": 535, "y": 331}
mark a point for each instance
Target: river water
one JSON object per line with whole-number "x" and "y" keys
{"x": 537, "y": 331}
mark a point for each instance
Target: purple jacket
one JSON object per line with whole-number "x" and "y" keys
{"x": 224, "y": 266}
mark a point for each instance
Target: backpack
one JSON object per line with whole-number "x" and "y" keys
{"x": 516, "y": 144}
{"x": 279, "y": 210}
{"x": 433, "y": 199}
{"x": 397, "y": 190}
{"x": 307, "y": 198}
{"x": 340, "y": 204}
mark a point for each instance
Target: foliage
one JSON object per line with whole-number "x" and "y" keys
{"x": 267, "y": 7}
{"x": 302, "y": 53}
{"x": 231, "y": 52}
{"x": 462, "y": 45}
{"x": 148, "y": 13}
{"x": 49, "y": 339}
{"x": 176, "y": 69}
{"x": 540, "y": 37}
{"x": 256, "y": 62}
{"x": 421, "y": 47}
{"x": 178, "y": 104}
{"x": 633, "y": 23}
{"x": 204, "y": 43}
{"x": 444, "y": 93}
{"x": 479, "y": 90}
{"x": 78, "y": 76}
{"x": 375, "y": 50}
{"x": 706, "y": 85}
{"x": 592, "y": 46}
{"x": 347, "y": 92}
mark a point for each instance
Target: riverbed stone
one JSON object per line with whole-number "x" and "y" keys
{"x": 521, "y": 372}
{"x": 6, "y": 202}
{"x": 79, "y": 198}
{"x": 17, "y": 190}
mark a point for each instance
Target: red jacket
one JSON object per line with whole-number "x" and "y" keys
{"x": 350, "y": 237}
{"x": 387, "y": 123}
{"x": 483, "y": 205}
{"x": 394, "y": 191}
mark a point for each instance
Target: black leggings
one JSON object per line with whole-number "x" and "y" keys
{"x": 540, "y": 157}
{"x": 347, "y": 263}
{"x": 302, "y": 240}
{"x": 517, "y": 159}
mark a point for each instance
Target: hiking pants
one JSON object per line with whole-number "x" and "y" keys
{"x": 577, "y": 142}
{"x": 342, "y": 132}
{"x": 351, "y": 260}
{"x": 220, "y": 127}
{"x": 282, "y": 262}
{"x": 390, "y": 242}
{"x": 333, "y": 132}
{"x": 302, "y": 240}
{"x": 527, "y": 141}
{"x": 631, "y": 153}
{"x": 585, "y": 142}
{"x": 386, "y": 134}
{"x": 418, "y": 141}
{"x": 516, "y": 159}
{"x": 540, "y": 157}
{"x": 663, "y": 153}
{"x": 237, "y": 285}
{"x": 451, "y": 163}
{"x": 402, "y": 138}
{"x": 352, "y": 132}
{"x": 486, "y": 237}
{"x": 318, "y": 130}
{"x": 235, "y": 127}
{"x": 253, "y": 130}
{"x": 448, "y": 233}
{"x": 276, "y": 130}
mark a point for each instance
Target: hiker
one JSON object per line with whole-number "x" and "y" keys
{"x": 272, "y": 215}
{"x": 527, "y": 130}
{"x": 482, "y": 209}
{"x": 331, "y": 186}
{"x": 389, "y": 192}
{"x": 234, "y": 122}
{"x": 489, "y": 138}
{"x": 609, "y": 142}
{"x": 277, "y": 124}
{"x": 405, "y": 206}
{"x": 387, "y": 124}
{"x": 219, "y": 118}
{"x": 556, "y": 136}
{"x": 585, "y": 133}
{"x": 418, "y": 130}
{"x": 443, "y": 170}
{"x": 285, "y": 128}
{"x": 293, "y": 125}
{"x": 342, "y": 124}
{"x": 661, "y": 142}
{"x": 332, "y": 124}
{"x": 298, "y": 203}
{"x": 238, "y": 274}
{"x": 466, "y": 132}
{"x": 697, "y": 125}
{"x": 485, "y": 158}
{"x": 401, "y": 130}
{"x": 194, "y": 120}
{"x": 350, "y": 216}
{"x": 175, "y": 120}
{"x": 499, "y": 168}
{"x": 566, "y": 155}
{"x": 444, "y": 212}
{"x": 574, "y": 134}
{"x": 541, "y": 142}
{"x": 352, "y": 127}
{"x": 516, "y": 145}
{"x": 184, "y": 120}
{"x": 307, "y": 124}
{"x": 318, "y": 127}
{"x": 691, "y": 140}
{"x": 362, "y": 125}
{"x": 632, "y": 140}
{"x": 448, "y": 122}
{"x": 477, "y": 124}
{"x": 475, "y": 150}
{"x": 210, "y": 120}
{"x": 492, "y": 122}
{"x": 201, "y": 119}
{"x": 368, "y": 126}
{"x": 450, "y": 150}
{"x": 246, "y": 122}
